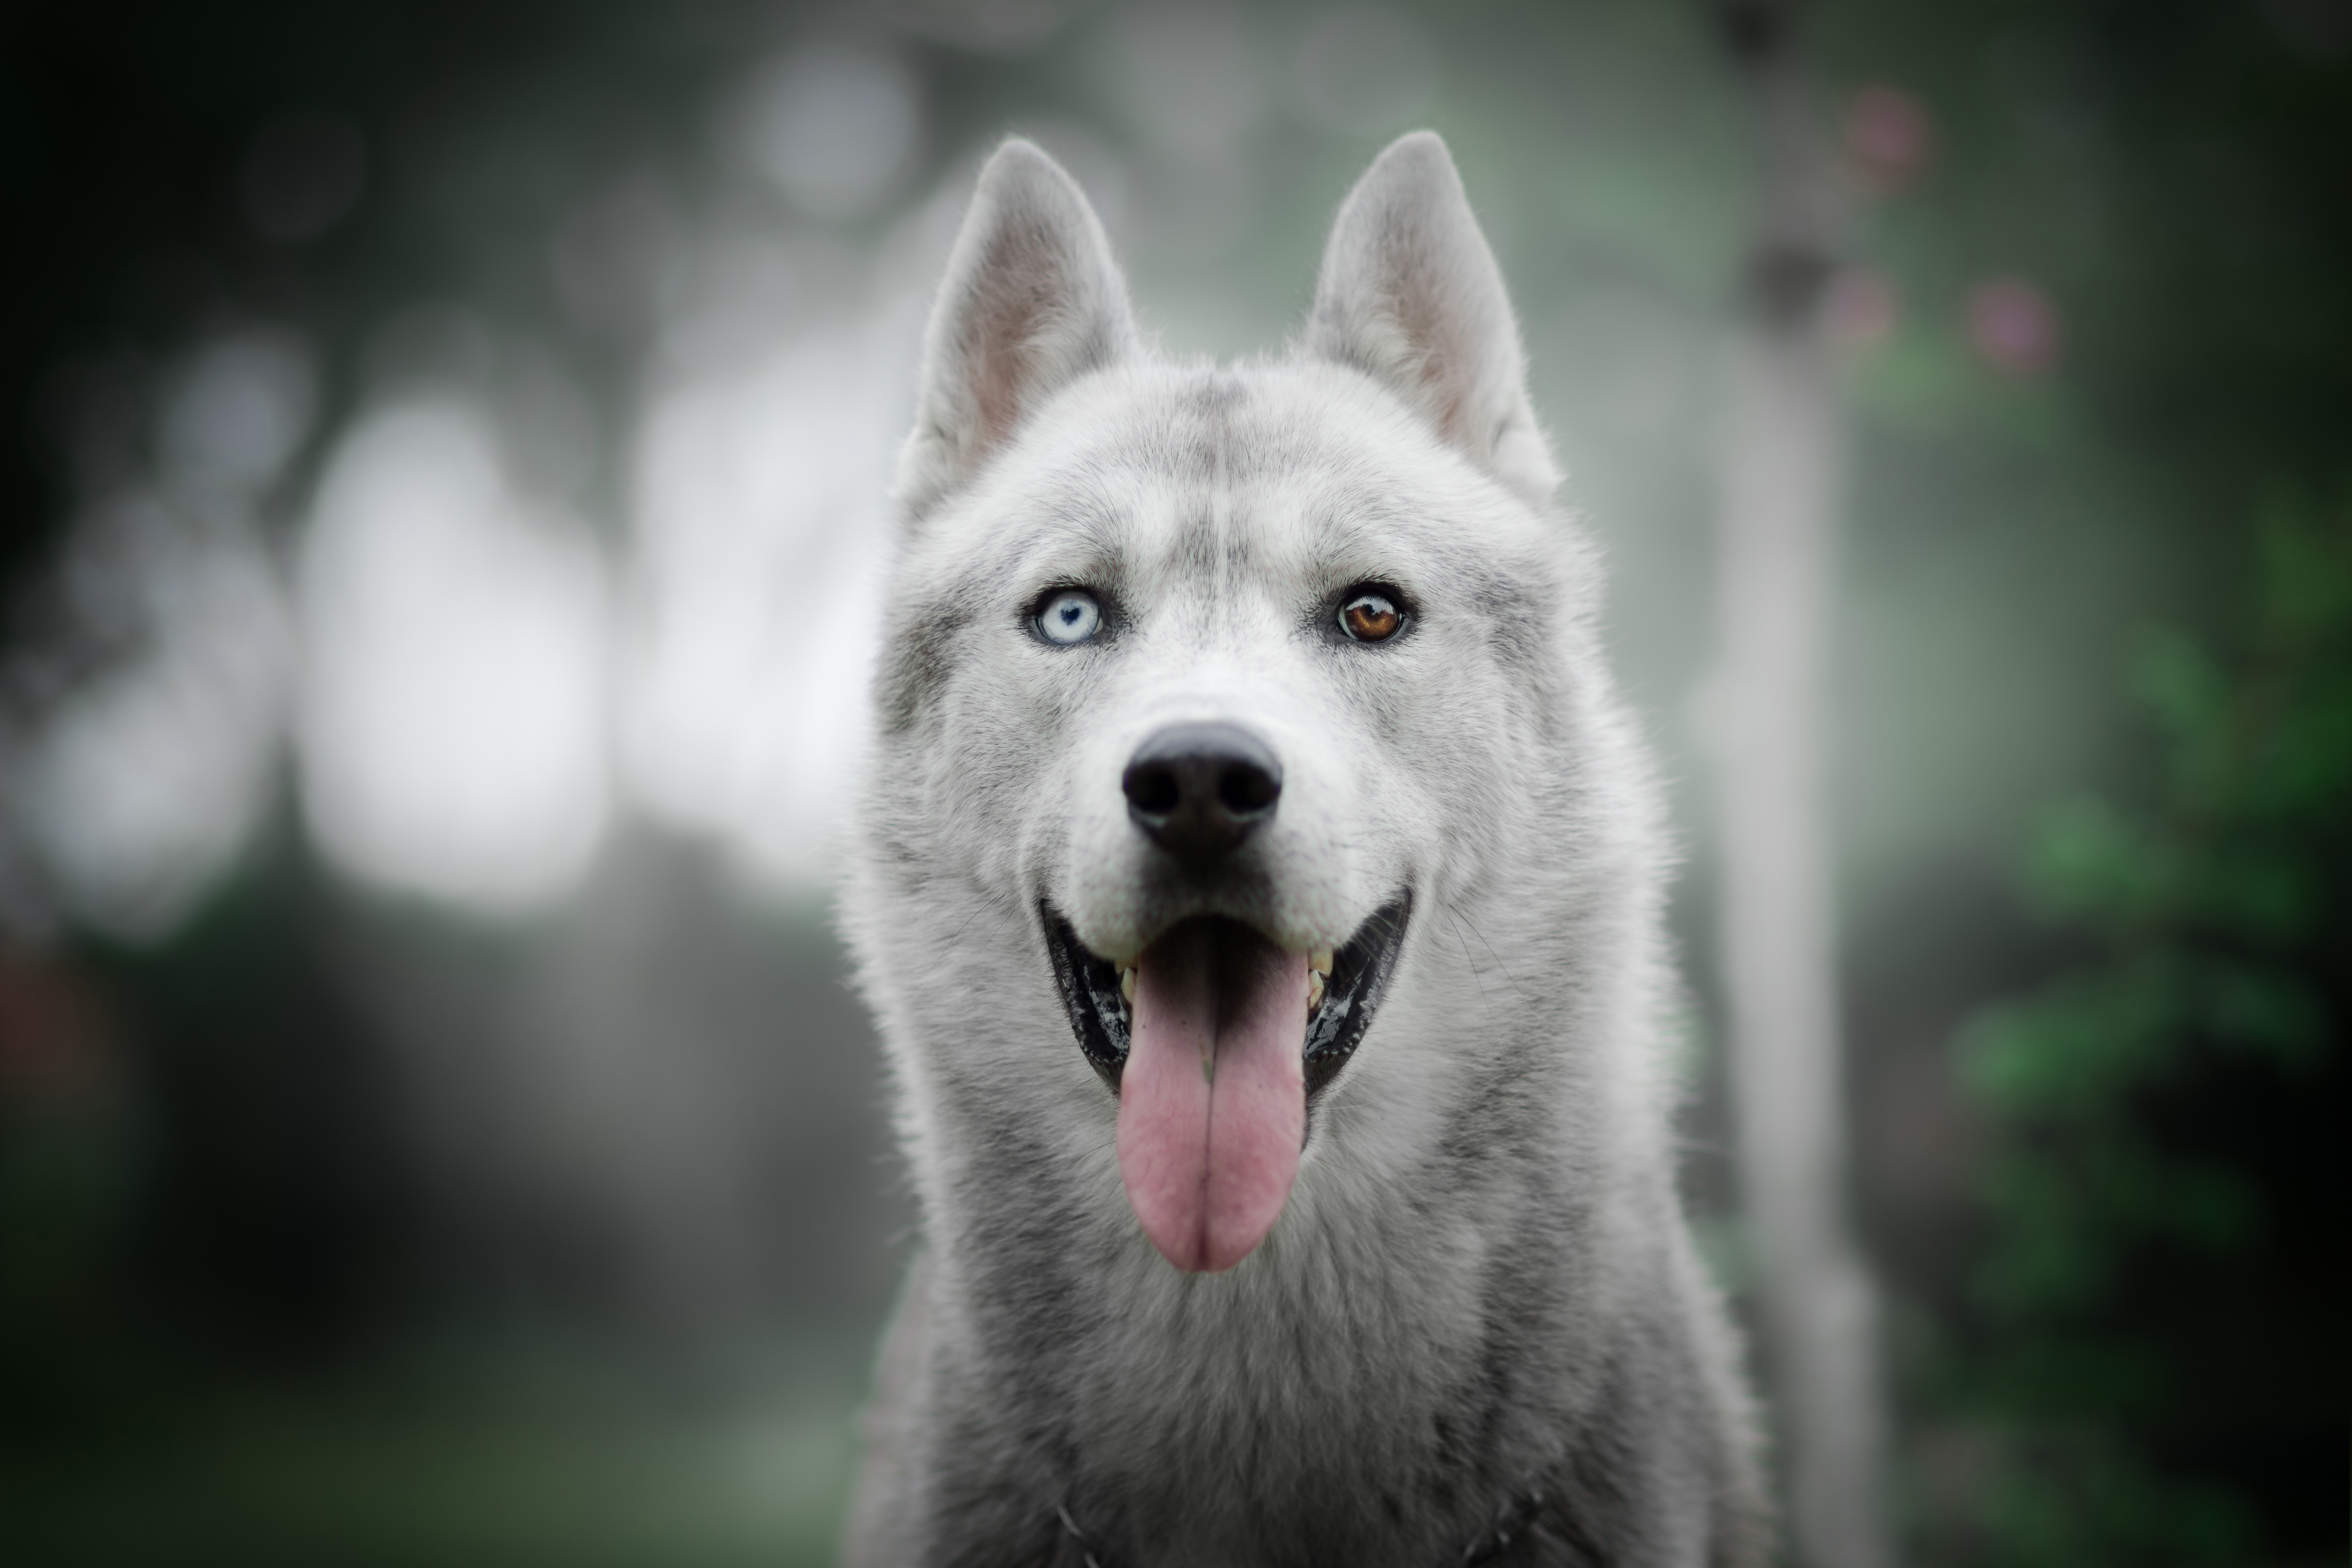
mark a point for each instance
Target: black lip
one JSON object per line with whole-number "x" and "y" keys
{"x": 1358, "y": 980}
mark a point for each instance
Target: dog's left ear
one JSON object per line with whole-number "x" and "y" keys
{"x": 1031, "y": 302}
{"x": 1410, "y": 295}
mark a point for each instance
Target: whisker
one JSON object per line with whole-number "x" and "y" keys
{"x": 1484, "y": 1012}
{"x": 1499, "y": 960}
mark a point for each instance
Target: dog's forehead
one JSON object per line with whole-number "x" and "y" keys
{"x": 1279, "y": 464}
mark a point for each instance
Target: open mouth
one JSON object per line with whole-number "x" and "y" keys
{"x": 1215, "y": 1040}
{"x": 1098, "y": 993}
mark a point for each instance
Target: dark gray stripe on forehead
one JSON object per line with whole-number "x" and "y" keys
{"x": 1206, "y": 415}
{"x": 1191, "y": 449}
{"x": 1214, "y": 392}
{"x": 1182, "y": 441}
{"x": 1218, "y": 538}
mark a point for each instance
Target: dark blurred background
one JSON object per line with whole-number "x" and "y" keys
{"x": 442, "y": 452}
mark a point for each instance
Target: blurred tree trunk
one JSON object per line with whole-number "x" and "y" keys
{"x": 1783, "y": 463}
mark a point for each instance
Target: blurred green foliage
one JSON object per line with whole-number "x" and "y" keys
{"x": 208, "y": 1253}
{"x": 2162, "y": 1267}
{"x": 538, "y": 1444}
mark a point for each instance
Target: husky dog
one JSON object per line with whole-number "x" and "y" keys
{"x": 1259, "y": 883}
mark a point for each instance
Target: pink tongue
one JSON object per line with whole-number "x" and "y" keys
{"x": 1213, "y": 1101}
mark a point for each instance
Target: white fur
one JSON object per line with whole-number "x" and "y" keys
{"x": 1481, "y": 1292}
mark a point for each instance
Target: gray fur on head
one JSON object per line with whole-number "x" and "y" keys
{"x": 1477, "y": 1330}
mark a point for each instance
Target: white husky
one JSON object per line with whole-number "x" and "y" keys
{"x": 1259, "y": 884}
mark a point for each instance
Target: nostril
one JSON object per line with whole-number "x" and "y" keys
{"x": 1198, "y": 790}
{"x": 1247, "y": 790}
{"x": 1153, "y": 788}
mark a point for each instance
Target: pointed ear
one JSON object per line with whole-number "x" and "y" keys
{"x": 1410, "y": 295}
{"x": 1031, "y": 301}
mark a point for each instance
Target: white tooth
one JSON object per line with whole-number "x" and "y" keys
{"x": 1314, "y": 992}
{"x": 1126, "y": 985}
{"x": 1321, "y": 962}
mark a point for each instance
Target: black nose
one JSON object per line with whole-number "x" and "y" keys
{"x": 1198, "y": 789}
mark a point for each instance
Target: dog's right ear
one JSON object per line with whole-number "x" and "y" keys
{"x": 1032, "y": 301}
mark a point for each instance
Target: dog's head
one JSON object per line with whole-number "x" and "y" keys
{"x": 1212, "y": 685}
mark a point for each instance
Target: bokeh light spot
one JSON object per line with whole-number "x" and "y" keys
{"x": 451, "y": 722}
{"x": 835, "y": 128}
{"x": 238, "y": 411}
{"x": 2014, "y": 326}
{"x": 1889, "y": 137}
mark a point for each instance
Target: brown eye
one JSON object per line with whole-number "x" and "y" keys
{"x": 1371, "y": 616}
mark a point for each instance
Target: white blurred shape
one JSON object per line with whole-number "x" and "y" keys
{"x": 1364, "y": 68}
{"x": 761, "y": 515}
{"x": 237, "y": 410}
{"x": 450, "y": 725}
{"x": 145, "y": 784}
{"x": 835, "y": 128}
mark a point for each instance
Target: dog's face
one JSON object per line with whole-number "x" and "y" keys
{"x": 1221, "y": 671}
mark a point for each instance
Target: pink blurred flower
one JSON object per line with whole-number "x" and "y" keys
{"x": 2014, "y": 326}
{"x": 1889, "y": 137}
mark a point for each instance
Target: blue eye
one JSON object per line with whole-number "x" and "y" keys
{"x": 1070, "y": 617}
